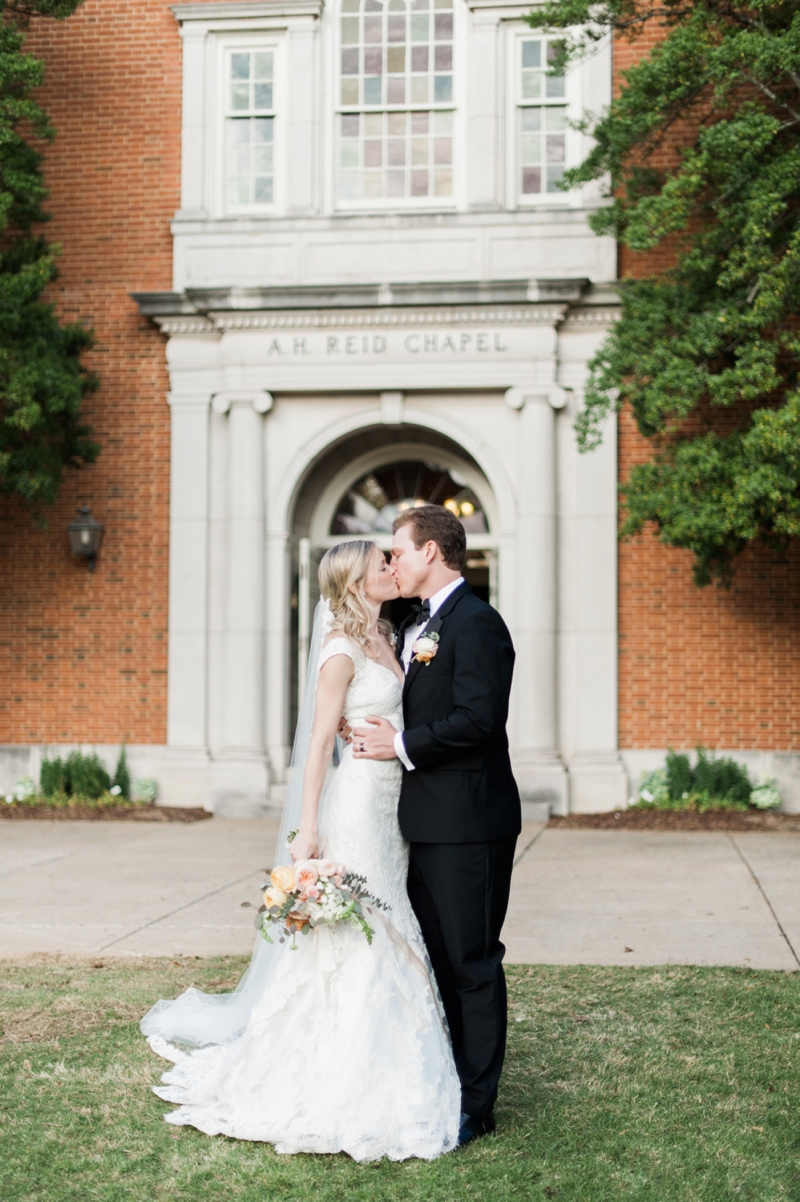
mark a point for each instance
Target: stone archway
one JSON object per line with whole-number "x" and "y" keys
{"x": 355, "y": 488}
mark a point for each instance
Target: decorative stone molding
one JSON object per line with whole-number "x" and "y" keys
{"x": 593, "y": 317}
{"x": 291, "y": 300}
{"x": 246, "y": 9}
{"x": 260, "y": 400}
{"x": 555, "y": 397}
{"x": 370, "y": 318}
{"x": 172, "y": 326}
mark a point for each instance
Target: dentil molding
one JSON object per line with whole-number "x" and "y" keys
{"x": 219, "y": 323}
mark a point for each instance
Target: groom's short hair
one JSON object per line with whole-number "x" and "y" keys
{"x": 435, "y": 524}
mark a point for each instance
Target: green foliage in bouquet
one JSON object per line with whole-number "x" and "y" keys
{"x": 42, "y": 381}
{"x": 707, "y": 354}
{"x": 712, "y": 784}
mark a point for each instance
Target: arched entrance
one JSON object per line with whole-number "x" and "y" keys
{"x": 356, "y": 488}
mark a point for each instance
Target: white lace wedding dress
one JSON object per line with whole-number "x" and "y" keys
{"x": 345, "y": 1049}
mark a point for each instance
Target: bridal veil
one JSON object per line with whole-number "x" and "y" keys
{"x": 198, "y": 1019}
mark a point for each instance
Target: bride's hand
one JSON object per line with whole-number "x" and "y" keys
{"x": 304, "y": 846}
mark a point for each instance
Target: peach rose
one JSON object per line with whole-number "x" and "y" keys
{"x": 282, "y": 878}
{"x": 331, "y": 870}
{"x": 305, "y": 875}
{"x": 274, "y": 897}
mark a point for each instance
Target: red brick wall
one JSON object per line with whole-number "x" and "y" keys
{"x": 714, "y": 666}
{"x": 83, "y": 657}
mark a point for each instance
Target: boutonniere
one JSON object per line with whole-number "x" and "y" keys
{"x": 425, "y": 647}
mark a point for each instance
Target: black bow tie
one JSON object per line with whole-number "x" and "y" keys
{"x": 422, "y": 611}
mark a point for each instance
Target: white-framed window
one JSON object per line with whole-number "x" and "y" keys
{"x": 395, "y": 103}
{"x": 249, "y": 138}
{"x": 540, "y": 121}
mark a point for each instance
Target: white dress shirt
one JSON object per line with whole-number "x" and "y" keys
{"x": 411, "y": 636}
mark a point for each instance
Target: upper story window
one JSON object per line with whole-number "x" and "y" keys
{"x": 541, "y": 120}
{"x": 249, "y": 128}
{"x": 395, "y": 120}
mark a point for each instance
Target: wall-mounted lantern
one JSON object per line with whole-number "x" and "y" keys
{"x": 85, "y": 536}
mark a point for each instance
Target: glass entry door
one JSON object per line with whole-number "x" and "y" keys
{"x": 367, "y": 509}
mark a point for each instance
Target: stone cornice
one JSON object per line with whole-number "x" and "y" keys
{"x": 237, "y": 10}
{"x": 429, "y": 300}
{"x": 467, "y": 292}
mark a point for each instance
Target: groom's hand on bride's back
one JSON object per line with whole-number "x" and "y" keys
{"x": 344, "y": 731}
{"x": 374, "y": 742}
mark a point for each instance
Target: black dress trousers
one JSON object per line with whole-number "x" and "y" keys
{"x": 459, "y": 893}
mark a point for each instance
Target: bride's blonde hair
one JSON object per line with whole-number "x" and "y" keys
{"x": 344, "y": 565}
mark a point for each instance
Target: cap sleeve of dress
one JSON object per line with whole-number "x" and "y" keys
{"x": 338, "y": 646}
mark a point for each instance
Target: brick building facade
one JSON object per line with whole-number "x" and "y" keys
{"x": 85, "y": 658}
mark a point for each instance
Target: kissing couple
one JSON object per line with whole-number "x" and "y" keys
{"x": 391, "y": 1048}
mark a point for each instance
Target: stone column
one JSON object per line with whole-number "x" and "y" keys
{"x": 300, "y": 157}
{"x": 186, "y": 759}
{"x": 537, "y": 764}
{"x": 588, "y": 648}
{"x": 240, "y": 769}
{"x": 277, "y": 692}
{"x": 484, "y": 115}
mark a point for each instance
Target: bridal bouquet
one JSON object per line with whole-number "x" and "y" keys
{"x": 312, "y": 893}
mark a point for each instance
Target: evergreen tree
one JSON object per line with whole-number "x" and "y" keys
{"x": 706, "y": 354}
{"x": 42, "y": 382}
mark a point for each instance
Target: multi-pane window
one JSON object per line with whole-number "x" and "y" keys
{"x": 541, "y": 120}
{"x": 249, "y": 128}
{"x": 395, "y": 135}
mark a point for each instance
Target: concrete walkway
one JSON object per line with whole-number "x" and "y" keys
{"x": 578, "y": 897}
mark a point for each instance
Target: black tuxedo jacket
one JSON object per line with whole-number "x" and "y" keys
{"x": 455, "y": 709}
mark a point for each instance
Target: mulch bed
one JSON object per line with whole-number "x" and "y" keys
{"x": 678, "y": 820}
{"x": 151, "y": 813}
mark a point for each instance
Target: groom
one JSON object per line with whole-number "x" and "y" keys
{"x": 459, "y": 804}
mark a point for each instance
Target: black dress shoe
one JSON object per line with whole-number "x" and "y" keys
{"x": 472, "y": 1127}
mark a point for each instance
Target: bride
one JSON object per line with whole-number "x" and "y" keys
{"x": 339, "y": 1046}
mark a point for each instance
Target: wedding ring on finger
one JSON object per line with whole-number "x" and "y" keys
{"x": 362, "y": 748}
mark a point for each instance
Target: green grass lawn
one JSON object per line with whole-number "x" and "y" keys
{"x": 651, "y": 1084}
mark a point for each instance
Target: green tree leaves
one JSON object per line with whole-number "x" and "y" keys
{"x": 42, "y": 382}
{"x": 702, "y": 148}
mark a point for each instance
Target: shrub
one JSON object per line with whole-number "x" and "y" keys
{"x": 765, "y": 795}
{"x": 145, "y": 790}
{"x": 52, "y": 778}
{"x": 679, "y": 775}
{"x": 87, "y": 776}
{"x": 79, "y": 775}
{"x": 122, "y": 777}
{"x": 712, "y": 784}
{"x": 654, "y": 788}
